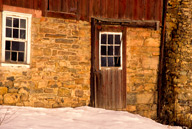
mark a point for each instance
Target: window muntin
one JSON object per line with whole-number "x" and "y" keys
{"x": 16, "y": 38}
{"x": 110, "y": 48}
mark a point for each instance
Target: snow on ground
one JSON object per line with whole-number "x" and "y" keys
{"x": 73, "y": 118}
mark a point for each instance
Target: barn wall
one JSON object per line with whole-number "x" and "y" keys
{"x": 142, "y": 70}
{"x": 177, "y": 88}
{"x": 85, "y": 9}
{"x": 59, "y": 73}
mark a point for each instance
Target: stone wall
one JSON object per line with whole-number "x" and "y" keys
{"x": 59, "y": 73}
{"x": 177, "y": 93}
{"x": 142, "y": 71}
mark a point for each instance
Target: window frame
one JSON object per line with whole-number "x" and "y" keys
{"x": 27, "y": 51}
{"x": 121, "y": 49}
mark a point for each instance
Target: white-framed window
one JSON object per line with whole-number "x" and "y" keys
{"x": 16, "y": 33}
{"x": 110, "y": 50}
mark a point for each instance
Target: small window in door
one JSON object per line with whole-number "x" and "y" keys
{"x": 110, "y": 49}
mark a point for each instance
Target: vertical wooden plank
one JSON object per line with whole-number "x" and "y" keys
{"x": 7, "y": 2}
{"x": 90, "y": 8}
{"x": 118, "y": 88}
{"x": 35, "y": 4}
{"x": 51, "y": 5}
{"x": 103, "y": 8}
{"x": 83, "y": 9}
{"x": 116, "y": 8}
{"x": 93, "y": 81}
{"x": 106, "y": 90}
{"x": 72, "y": 6}
{"x": 56, "y": 5}
{"x": 44, "y": 5}
{"x": 13, "y": 3}
{"x": 110, "y": 8}
{"x": 158, "y": 10}
{"x": 26, "y": 4}
{"x": 129, "y": 10}
{"x": 124, "y": 74}
{"x": 31, "y": 4}
{"x": 1, "y": 5}
{"x": 122, "y": 8}
{"x": 139, "y": 10}
{"x": 109, "y": 91}
{"x": 113, "y": 80}
{"x": 149, "y": 9}
{"x": 96, "y": 8}
{"x": 20, "y": 3}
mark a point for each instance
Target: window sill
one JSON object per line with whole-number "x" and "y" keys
{"x": 15, "y": 65}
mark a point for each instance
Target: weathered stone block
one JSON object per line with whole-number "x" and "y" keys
{"x": 152, "y": 42}
{"x": 48, "y": 90}
{"x": 39, "y": 104}
{"x": 13, "y": 90}
{"x": 64, "y": 92}
{"x": 145, "y": 98}
{"x": 63, "y": 41}
{"x": 131, "y": 108}
{"x": 24, "y": 97}
{"x": 11, "y": 98}
{"x": 79, "y": 93}
{"x": 9, "y": 84}
{"x": 11, "y": 78}
{"x": 131, "y": 98}
{"x": 23, "y": 90}
{"x": 3, "y": 90}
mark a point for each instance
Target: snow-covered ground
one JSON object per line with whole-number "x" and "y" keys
{"x": 73, "y": 118}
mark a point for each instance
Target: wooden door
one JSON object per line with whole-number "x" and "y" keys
{"x": 108, "y": 66}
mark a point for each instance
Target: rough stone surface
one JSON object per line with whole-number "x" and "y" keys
{"x": 59, "y": 73}
{"x": 177, "y": 88}
{"x": 59, "y": 68}
{"x": 142, "y": 70}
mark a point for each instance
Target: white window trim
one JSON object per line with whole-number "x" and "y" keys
{"x": 28, "y": 35}
{"x": 121, "y": 48}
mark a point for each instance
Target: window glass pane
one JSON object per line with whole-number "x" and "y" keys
{"x": 117, "y": 50}
{"x": 7, "y": 55}
{"x": 15, "y": 33}
{"x": 103, "y": 38}
{"x": 22, "y": 23}
{"x": 110, "y": 61}
{"x": 7, "y": 45}
{"x": 16, "y": 22}
{"x": 103, "y": 50}
{"x": 8, "y": 32}
{"x": 14, "y": 56}
{"x": 21, "y": 57}
{"x": 103, "y": 61}
{"x": 18, "y": 46}
{"x": 117, "y": 61}
{"x": 110, "y": 39}
{"x": 117, "y": 39}
{"x": 22, "y": 34}
{"x": 9, "y": 21}
{"x": 110, "y": 50}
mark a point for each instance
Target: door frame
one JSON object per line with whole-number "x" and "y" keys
{"x": 96, "y": 26}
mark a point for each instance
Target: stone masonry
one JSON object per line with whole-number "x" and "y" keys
{"x": 59, "y": 73}
{"x": 177, "y": 87}
{"x": 142, "y": 71}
